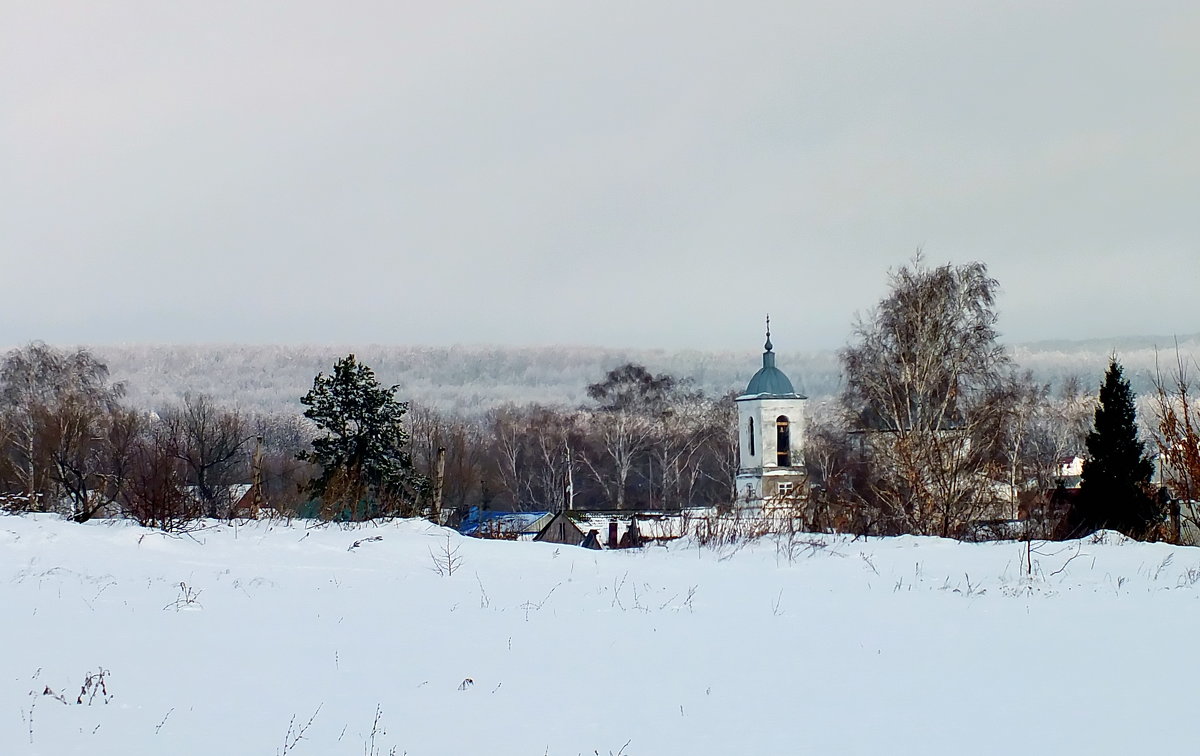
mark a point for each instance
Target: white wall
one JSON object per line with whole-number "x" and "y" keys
{"x": 764, "y": 413}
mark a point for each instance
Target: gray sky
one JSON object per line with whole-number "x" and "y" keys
{"x": 615, "y": 173}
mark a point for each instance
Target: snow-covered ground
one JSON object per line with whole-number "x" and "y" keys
{"x": 277, "y": 639}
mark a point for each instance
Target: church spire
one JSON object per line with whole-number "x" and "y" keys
{"x": 768, "y": 355}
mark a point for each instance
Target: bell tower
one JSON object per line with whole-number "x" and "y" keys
{"x": 771, "y": 469}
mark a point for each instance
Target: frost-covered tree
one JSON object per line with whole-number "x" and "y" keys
{"x": 632, "y": 404}
{"x": 55, "y": 411}
{"x": 362, "y": 446}
{"x": 457, "y": 441}
{"x": 657, "y": 440}
{"x": 1115, "y": 489}
{"x": 923, "y": 380}
{"x": 1177, "y": 414}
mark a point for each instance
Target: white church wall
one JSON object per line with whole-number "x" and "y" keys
{"x": 765, "y": 413}
{"x": 760, "y": 475}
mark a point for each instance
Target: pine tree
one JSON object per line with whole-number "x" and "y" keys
{"x": 366, "y": 468}
{"x": 1114, "y": 492}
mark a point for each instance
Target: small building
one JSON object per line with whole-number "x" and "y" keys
{"x": 1069, "y": 470}
{"x": 1070, "y": 466}
{"x": 248, "y": 500}
{"x": 561, "y": 529}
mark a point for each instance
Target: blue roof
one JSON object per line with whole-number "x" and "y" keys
{"x": 515, "y": 523}
{"x": 770, "y": 382}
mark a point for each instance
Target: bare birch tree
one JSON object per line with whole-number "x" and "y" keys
{"x": 553, "y": 441}
{"x": 619, "y": 438}
{"x": 921, "y": 381}
{"x": 1177, "y": 435}
{"x": 50, "y": 400}
{"x": 508, "y": 453}
{"x": 1025, "y": 454}
{"x": 631, "y": 404}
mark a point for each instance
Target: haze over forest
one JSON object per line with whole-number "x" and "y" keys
{"x": 470, "y": 379}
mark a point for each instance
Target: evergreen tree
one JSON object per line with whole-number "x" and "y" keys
{"x": 366, "y": 468}
{"x": 1114, "y": 492}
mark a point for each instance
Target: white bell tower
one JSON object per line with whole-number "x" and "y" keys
{"x": 771, "y": 469}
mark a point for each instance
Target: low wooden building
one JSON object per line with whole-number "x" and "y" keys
{"x": 561, "y": 529}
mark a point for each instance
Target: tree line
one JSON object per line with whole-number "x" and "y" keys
{"x": 642, "y": 441}
{"x": 934, "y": 431}
{"x": 69, "y": 444}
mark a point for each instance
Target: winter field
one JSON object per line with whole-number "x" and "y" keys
{"x": 284, "y": 639}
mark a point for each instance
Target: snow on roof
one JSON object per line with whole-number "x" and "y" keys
{"x": 505, "y": 523}
{"x": 651, "y": 525}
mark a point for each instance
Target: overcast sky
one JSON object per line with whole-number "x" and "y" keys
{"x": 649, "y": 174}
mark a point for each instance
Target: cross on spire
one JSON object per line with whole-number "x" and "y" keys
{"x": 767, "y": 346}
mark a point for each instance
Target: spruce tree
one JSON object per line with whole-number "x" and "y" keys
{"x": 366, "y": 468}
{"x": 1114, "y": 491}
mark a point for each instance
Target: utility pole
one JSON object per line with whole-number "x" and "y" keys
{"x": 257, "y": 500}
{"x": 569, "y": 492}
{"x": 439, "y": 480}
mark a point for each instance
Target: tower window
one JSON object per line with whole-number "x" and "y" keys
{"x": 783, "y": 444}
{"x": 751, "y": 437}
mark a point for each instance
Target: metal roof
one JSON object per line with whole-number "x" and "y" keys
{"x": 512, "y": 523}
{"x": 770, "y": 382}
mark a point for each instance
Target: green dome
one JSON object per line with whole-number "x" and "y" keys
{"x": 770, "y": 381}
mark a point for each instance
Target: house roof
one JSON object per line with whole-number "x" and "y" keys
{"x": 563, "y": 523}
{"x": 518, "y": 523}
{"x": 651, "y": 525}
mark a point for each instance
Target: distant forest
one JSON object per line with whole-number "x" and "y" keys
{"x": 532, "y": 429}
{"x": 470, "y": 380}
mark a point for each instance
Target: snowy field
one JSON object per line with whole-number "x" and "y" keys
{"x": 277, "y": 639}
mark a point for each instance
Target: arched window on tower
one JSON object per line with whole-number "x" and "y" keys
{"x": 783, "y": 444}
{"x": 751, "y": 437}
